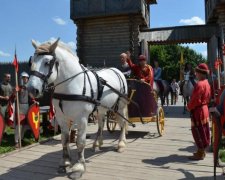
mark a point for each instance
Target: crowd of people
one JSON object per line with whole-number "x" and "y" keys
{"x": 198, "y": 104}
{"x": 199, "y": 101}
{"x": 146, "y": 73}
{"x": 8, "y": 98}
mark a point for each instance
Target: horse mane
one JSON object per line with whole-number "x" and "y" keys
{"x": 61, "y": 45}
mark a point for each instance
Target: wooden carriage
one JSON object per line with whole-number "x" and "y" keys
{"x": 148, "y": 110}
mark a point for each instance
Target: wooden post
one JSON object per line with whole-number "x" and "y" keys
{"x": 223, "y": 60}
{"x": 218, "y": 75}
{"x": 17, "y": 108}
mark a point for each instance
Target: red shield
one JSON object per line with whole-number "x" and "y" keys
{"x": 33, "y": 117}
{"x": 2, "y": 127}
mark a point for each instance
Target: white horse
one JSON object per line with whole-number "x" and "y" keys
{"x": 187, "y": 90}
{"x": 54, "y": 62}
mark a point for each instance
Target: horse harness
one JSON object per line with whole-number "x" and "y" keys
{"x": 101, "y": 83}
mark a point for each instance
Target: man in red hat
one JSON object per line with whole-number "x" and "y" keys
{"x": 143, "y": 71}
{"x": 198, "y": 106}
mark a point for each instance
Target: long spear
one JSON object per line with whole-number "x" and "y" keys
{"x": 16, "y": 65}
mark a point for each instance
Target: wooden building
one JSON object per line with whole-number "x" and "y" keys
{"x": 106, "y": 28}
{"x": 215, "y": 15}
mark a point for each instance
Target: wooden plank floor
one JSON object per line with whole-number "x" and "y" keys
{"x": 149, "y": 158}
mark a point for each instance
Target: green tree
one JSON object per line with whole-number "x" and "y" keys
{"x": 168, "y": 57}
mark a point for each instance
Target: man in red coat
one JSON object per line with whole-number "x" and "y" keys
{"x": 198, "y": 106}
{"x": 142, "y": 71}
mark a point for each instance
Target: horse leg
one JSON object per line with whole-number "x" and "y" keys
{"x": 66, "y": 158}
{"x": 99, "y": 135}
{"x": 79, "y": 168}
{"x": 185, "y": 103}
{"x": 123, "y": 124}
{"x": 162, "y": 100}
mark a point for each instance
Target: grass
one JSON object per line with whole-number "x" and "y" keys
{"x": 8, "y": 143}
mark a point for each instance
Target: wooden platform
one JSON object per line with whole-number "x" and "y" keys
{"x": 146, "y": 157}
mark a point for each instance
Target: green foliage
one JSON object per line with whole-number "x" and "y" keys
{"x": 8, "y": 143}
{"x": 169, "y": 59}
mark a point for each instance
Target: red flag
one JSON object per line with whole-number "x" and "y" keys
{"x": 218, "y": 63}
{"x": 15, "y": 63}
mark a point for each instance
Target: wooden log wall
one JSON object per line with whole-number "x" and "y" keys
{"x": 104, "y": 39}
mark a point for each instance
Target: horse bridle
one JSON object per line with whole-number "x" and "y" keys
{"x": 43, "y": 76}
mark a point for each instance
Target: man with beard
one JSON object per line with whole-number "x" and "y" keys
{"x": 125, "y": 68}
{"x": 5, "y": 92}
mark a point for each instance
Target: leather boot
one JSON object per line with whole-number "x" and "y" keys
{"x": 199, "y": 155}
{"x": 198, "y": 152}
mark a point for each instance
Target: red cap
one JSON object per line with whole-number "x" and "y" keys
{"x": 202, "y": 68}
{"x": 142, "y": 58}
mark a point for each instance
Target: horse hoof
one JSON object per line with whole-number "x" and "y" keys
{"x": 121, "y": 150}
{"x": 62, "y": 170}
{"x": 76, "y": 175}
{"x": 96, "y": 149}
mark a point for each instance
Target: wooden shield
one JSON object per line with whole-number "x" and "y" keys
{"x": 2, "y": 127}
{"x": 33, "y": 117}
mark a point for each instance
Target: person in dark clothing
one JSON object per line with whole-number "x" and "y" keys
{"x": 6, "y": 91}
{"x": 25, "y": 99}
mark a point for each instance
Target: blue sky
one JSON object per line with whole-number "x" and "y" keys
{"x": 178, "y": 13}
{"x": 23, "y": 20}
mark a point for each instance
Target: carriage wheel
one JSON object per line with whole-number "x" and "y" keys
{"x": 160, "y": 121}
{"x": 111, "y": 121}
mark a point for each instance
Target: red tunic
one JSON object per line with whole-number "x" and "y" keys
{"x": 199, "y": 101}
{"x": 198, "y": 105}
{"x": 145, "y": 73}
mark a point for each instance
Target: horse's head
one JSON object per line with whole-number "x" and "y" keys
{"x": 44, "y": 67}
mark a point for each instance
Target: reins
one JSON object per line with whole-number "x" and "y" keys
{"x": 83, "y": 97}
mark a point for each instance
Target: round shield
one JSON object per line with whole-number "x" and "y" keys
{"x": 33, "y": 117}
{"x": 2, "y": 127}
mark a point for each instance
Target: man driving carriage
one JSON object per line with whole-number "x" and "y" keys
{"x": 142, "y": 70}
{"x": 125, "y": 68}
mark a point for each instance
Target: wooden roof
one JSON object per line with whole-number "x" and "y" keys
{"x": 151, "y": 1}
{"x": 180, "y": 34}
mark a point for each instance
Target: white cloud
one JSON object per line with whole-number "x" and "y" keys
{"x": 72, "y": 45}
{"x": 195, "y": 20}
{"x": 52, "y": 39}
{"x": 4, "y": 54}
{"x": 195, "y": 45}
{"x": 59, "y": 21}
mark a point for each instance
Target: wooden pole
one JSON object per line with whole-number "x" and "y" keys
{"x": 218, "y": 75}
{"x": 223, "y": 61}
{"x": 17, "y": 108}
